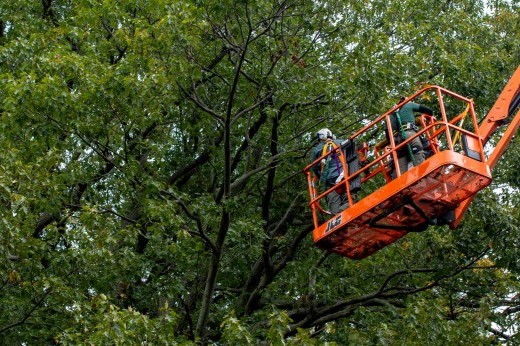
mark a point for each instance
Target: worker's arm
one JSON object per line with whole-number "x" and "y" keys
{"x": 425, "y": 110}
{"x": 422, "y": 109}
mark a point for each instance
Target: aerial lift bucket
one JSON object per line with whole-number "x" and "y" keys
{"x": 392, "y": 203}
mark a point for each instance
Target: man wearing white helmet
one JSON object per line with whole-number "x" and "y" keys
{"x": 330, "y": 171}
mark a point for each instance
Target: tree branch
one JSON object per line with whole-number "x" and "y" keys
{"x": 28, "y": 313}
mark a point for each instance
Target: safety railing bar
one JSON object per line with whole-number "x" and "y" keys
{"x": 385, "y": 153}
{"x": 439, "y": 91}
{"x": 438, "y": 132}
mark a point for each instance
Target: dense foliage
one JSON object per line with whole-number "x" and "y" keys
{"x": 151, "y": 178}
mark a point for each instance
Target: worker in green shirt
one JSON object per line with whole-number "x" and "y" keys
{"x": 403, "y": 127}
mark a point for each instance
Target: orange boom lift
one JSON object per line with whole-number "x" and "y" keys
{"x": 385, "y": 204}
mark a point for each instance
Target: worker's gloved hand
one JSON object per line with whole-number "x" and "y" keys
{"x": 345, "y": 143}
{"x": 339, "y": 178}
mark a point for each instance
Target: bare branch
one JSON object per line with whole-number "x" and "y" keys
{"x": 28, "y": 314}
{"x": 193, "y": 96}
{"x": 201, "y": 233}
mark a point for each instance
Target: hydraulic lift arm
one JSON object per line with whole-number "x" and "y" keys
{"x": 505, "y": 112}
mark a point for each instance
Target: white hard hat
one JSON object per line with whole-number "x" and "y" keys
{"x": 323, "y": 134}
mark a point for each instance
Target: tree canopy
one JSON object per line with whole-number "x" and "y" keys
{"x": 151, "y": 178}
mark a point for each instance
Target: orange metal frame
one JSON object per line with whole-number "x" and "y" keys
{"x": 502, "y": 113}
{"x": 437, "y": 191}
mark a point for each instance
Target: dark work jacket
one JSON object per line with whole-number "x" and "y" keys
{"x": 333, "y": 166}
{"x": 407, "y": 113}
